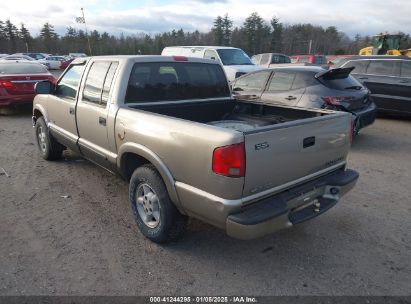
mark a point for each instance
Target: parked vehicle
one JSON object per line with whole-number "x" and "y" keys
{"x": 309, "y": 87}
{"x": 35, "y": 56}
{"x": 387, "y": 77}
{"x": 333, "y": 60}
{"x": 55, "y": 61}
{"x": 64, "y": 64}
{"x": 3, "y": 55}
{"x": 26, "y": 58}
{"x": 18, "y": 57}
{"x": 234, "y": 61}
{"x": 77, "y": 55}
{"x": 17, "y": 81}
{"x": 171, "y": 127}
{"x": 270, "y": 59}
{"x": 310, "y": 59}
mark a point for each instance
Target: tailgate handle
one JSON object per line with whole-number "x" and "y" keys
{"x": 308, "y": 142}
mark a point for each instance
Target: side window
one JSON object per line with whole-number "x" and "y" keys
{"x": 210, "y": 54}
{"x": 68, "y": 85}
{"x": 281, "y": 81}
{"x": 405, "y": 68}
{"x": 95, "y": 81}
{"x": 303, "y": 80}
{"x": 381, "y": 67}
{"x": 107, "y": 82}
{"x": 276, "y": 59}
{"x": 285, "y": 59}
{"x": 265, "y": 58}
{"x": 252, "y": 82}
{"x": 360, "y": 66}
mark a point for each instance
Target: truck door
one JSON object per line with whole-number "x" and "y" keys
{"x": 61, "y": 107}
{"x": 91, "y": 113}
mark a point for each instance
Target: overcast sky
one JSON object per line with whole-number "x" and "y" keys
{"x": 152, "y": 16}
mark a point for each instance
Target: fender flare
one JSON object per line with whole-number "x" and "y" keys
{"x": 156, "y": 161}
{"x": 43, "y": 112}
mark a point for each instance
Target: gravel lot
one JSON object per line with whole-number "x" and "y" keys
{"x": 88, "y": 243}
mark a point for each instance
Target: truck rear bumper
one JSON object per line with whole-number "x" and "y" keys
{"x": 290, "y": 207}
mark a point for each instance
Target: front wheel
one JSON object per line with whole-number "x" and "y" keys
{"x": 155, "y": 214}
{"x": 49, "y": 148}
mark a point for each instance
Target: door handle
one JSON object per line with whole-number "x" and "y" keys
{"x": 404, "y": 81}
{"x": 102, "y": 121}
{"x": 291, "y": 98}
{"x": 71, "y": 110}
{"x": 362, "y": 77}
{"x": 252, "y": 97}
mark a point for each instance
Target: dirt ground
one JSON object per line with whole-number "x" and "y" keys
{"x": 66, "y": 229}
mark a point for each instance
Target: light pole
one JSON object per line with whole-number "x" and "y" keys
{"x": 83, "y": 20}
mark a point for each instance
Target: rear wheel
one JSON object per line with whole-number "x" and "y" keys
{"x": 49, "y": 148}
{"x": 155, "y": 214}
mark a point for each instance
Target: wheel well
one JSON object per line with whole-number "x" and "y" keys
{"x": 37, "y": 114}
{"x": 130, "y": 162}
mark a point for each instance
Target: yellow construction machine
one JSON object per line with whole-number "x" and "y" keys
{"x": 385, "y": 44}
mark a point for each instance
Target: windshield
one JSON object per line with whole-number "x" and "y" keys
{"x": 234, "y": 57}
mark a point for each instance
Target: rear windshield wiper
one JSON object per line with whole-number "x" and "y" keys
{"x": 353, "y": 88}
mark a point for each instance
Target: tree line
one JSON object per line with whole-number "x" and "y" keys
{"x": 254, "y": 36}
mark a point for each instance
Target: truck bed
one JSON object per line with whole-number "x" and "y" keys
{"x": 237, "y": 115}
{"x": 282, "y": 144}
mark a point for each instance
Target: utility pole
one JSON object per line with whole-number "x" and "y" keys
{"x": 309, "y": 46}
{"x": 83, "y": 20}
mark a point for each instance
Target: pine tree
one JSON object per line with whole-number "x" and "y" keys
{"x": 49, "y": 38}
{"x": 276, "y": 36}
{"x": 25, "y": 37}
{"x": 227, "y": 30}
{"x": 11, "y": 34}
{"x": 218, "y": 31}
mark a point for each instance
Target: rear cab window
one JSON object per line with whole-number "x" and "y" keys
{"x": 168, "y": 81}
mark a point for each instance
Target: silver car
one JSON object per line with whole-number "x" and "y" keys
{"x": 309, "y": 87}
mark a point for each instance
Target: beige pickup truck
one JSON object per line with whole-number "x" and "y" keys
{"x": 170, "y": 126}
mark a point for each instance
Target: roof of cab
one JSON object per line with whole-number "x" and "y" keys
{"x": 145, "y": 58}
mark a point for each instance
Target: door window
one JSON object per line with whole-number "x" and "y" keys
{"x": 98, "y": 82}
{"x": 67, "y": 87}
{"x": 107, "y": 82}
{"x": 252, "y": 82}
{"x": 406, "y": 68}
{"x": 381, "y": 67}
{"x": 281, "y": 81}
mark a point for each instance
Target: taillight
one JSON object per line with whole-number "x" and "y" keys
{"x": 229, "y": 160}
{"x": 180, "y": 58}
{"x": 6, "y": 84}
{"x": 336, "y": 100}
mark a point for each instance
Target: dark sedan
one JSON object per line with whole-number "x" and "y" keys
{"x": 17, "y": 80}
{"x": 387, "y": 77}
{"x": 309, "y": 87}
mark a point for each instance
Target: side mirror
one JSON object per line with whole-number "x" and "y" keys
{"x": 44, "y": 87}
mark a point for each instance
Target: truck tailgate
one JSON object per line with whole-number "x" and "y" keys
{"x": 290, "y": 151}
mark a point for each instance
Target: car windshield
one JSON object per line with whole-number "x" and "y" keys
{"x": 22, "y": 68}
{"x": 234, "y": 57}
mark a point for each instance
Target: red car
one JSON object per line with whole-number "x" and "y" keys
{"x": 64, "y": 64}
{"x": 17, "y": 80}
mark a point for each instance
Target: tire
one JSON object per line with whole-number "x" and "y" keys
{"x": 49, "y": 148}
{"x": 155, "y": 214}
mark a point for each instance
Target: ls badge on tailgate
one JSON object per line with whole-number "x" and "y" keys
{"x": 261, "y": 146}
